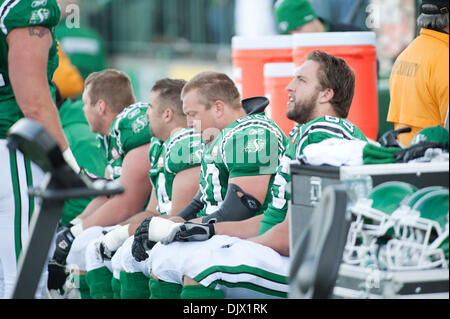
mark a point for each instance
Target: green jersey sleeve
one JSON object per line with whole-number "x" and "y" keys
{"x": 312, "y": 132}
{"x": 277, "y": 208}
{"x": 131, "y": 129}
{"x": 183, "y": 151}
{"x": 252, "y": 149}
{"x": 19, "y": 14}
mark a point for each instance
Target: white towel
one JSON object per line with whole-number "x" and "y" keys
{"x": 334, "y": 152}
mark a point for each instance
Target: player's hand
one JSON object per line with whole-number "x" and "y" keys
{"x": 57, "y": 275}
{"x": 141, "y": 243}
{"x": 107, "y": 245}
{"x": 194, "y": 232}
{"x": 92, "y": 177}
{"x": 64, "y": 240}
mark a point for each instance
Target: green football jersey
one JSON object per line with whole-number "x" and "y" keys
{"x": 19, "y": 14}
{"x": 249, "y": 146}
{"x": 312, "y": 132}
{"x": 179, "y": 152}
{"x": 130, "y": 129}
{"x": 84, "y": 146}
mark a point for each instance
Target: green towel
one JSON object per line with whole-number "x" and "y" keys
{"x": 373, "y": 154}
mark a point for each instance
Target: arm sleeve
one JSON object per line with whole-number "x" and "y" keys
{"x": 183, "y": 153}
{"x": 20, "y": 14}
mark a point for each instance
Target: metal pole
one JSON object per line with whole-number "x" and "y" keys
{"x": 34, "y": 255}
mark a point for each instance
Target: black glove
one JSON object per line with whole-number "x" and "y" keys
{"x": 195, "y": 232}
{"x": 105, "y": 253}
{"x": 389, "y": 139}
{"x": 417, "y": 151}
{"x": 64, "y": 240}
{"x": 57, "y": 275}
{"x": 141, "y": 243}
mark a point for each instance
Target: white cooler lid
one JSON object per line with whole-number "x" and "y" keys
{"x": 261, "y": 42}
{"x": 279, "y": 70}
{"x": 317, "y": 39}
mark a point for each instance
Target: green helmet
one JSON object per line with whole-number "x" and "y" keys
{"x": 372, "y": 220}
{"x": 410, "y": 200}
{"x": 421, "y": 236}
{"x": 387, "y": 196}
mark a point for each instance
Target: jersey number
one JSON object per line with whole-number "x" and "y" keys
{"x": 164, "y": 203}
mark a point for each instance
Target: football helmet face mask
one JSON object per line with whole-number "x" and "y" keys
{"x": 420, "y": 238}
{"x": 371, "y": 220}
{"x": 414, "y": 236}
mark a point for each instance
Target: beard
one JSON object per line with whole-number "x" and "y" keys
{"x": 303, "y": 110}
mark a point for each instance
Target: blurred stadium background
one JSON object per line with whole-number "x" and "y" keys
{"x": 179, "y": 38}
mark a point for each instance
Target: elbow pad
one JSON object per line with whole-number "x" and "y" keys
{"x": 234, "y": 207}
{"x": 194, "y": 207}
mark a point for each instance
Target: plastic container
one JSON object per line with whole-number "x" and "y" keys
{"x": 359, "y": 51}
{"x": 276, "y": 78}
{"x": 249, "y": 54}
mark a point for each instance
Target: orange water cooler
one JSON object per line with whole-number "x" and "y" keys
{"x": 359, "y": 51}
{"x": 249, "y": 54}
{"x": 276, "y": 78}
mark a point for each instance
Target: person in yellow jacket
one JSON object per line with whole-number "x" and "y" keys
{"x": 420, "y": 76}
{"x": 67, "y": 78}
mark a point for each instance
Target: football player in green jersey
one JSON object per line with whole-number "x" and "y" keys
{"x": 123, "y": 129}
{"x": 28, "y": 58}
{"x": 239, "y": 159}
{"x": 250, "y": 258}
{"x": 175, "y": 166}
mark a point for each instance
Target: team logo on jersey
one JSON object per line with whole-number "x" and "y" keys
{"x": 115, "y": 154}
{"x": 139, "y": 124}
{"x": 255, "y": 145}
{"x": 39, "y": 16}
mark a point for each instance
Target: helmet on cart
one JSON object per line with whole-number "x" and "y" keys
{"x": 371, "y": 220}
{"x": 421, "y": 234}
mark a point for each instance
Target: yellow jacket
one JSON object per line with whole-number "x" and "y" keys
{"x": 67, "y": 77}
{"x": 419, "y": 84}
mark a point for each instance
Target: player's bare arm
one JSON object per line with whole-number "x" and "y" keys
{"x": 185, "y": 186}
{"x": 27, "y": 55}
{"x": 276, "y": 238}
{"x": 137, "y": 186}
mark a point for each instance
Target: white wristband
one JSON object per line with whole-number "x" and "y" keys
{"x": 70, "y": 159}
{"x": 116, "y": 237}
{"x": 159, "y": 228}
{"x": 76, "y": 229}
{"x": 76, "y": 220}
